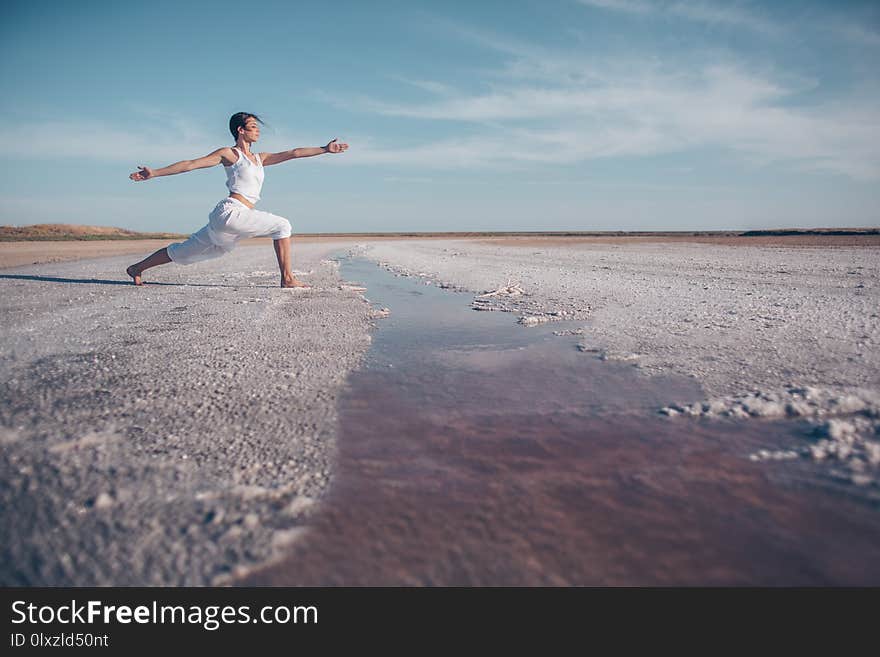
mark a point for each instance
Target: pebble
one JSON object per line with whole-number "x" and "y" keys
{"x": 286, "y": 537}
{"x": 104, "y": 501}
{"x": 533, "y": 320}
{"x": 298, "y": 505}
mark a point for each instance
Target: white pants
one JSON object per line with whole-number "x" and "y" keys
{"x": 229, "y": 222}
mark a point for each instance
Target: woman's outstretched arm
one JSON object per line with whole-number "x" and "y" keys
{"x": 277, "y": 158}
{"x": 210, "y": 160}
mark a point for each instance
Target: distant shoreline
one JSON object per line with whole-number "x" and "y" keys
{"x": 93, "y": 238}
{"x": 73, "y": 232}
{"x": 67, "y": 232}
{"x": 15, "y": 253}
{"x": 616, "y": 233}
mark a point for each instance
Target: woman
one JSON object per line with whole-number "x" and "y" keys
{"x": 234, "y": 217}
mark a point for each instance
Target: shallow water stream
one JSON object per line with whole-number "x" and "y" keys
{"x": 474, "y": 451}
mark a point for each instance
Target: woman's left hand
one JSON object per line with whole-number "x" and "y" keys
{"x": 335, "y": 147}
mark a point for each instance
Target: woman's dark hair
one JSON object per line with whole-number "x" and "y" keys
{"x": 238, "y": 120}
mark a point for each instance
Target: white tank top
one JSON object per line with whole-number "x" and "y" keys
{"x": 244, "y": 177}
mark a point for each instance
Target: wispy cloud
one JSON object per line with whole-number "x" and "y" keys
{"x": 857, "y": 34}
{"x": 643, "y": 113}
{"x": 844, "y": 26}
{"x": 723, "y": 14}
{"x": 628, "y": 6}
{"x": 431, "y": 86}
{"x": 93, "y": 140}
{"x": 735, "y": 15}
{"x": 558, "y": 105}
{"x": 159, "y": 138}
{"x": 551, "y": 105}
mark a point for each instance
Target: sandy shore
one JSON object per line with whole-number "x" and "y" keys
{"x": 16, "y": 254}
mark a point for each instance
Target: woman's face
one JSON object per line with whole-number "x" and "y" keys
{"x": 251, "y": 130}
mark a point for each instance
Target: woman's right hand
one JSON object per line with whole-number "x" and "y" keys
{"x": 145, "y": 173}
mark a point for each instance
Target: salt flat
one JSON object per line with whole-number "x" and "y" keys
{"x": 184, "y": 432}
{"x": 171, "y": 433}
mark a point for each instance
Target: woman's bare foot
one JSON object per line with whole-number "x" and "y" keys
{"x": 135, "y": 274}
{"x": 292, "y": 281}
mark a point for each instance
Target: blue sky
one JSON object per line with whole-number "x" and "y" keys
{"x": 514, "y": 115}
